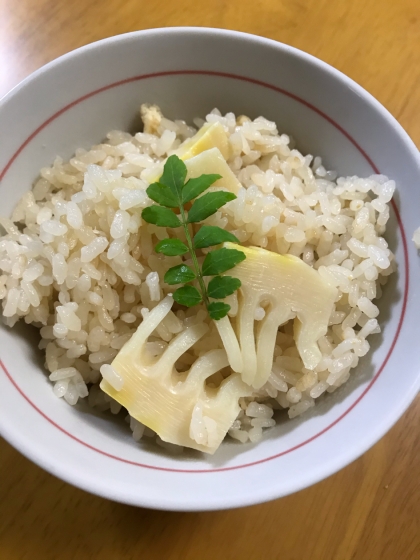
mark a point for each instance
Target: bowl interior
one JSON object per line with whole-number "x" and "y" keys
{"x": 326, "y": 117}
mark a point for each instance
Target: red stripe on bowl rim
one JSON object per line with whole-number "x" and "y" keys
{"x": 360, "y": 150}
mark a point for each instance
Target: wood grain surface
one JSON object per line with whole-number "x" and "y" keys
{"x": 368, "y": 511}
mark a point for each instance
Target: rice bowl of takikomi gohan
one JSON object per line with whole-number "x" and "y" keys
{"x": 79, "y": 261}
{"x": 206, "y": 273}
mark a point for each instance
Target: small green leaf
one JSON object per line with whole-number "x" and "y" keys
{"x": 208, "y": 204}
{"x": 174, "y": 174}
{"x": 179, "y": 274}
{"x": 212, "y": 235}
{"x": 220, "y": 260}
{"x": 162, "y": 217}
{"x": 222, "y": 286}
{"x": 217, "y": 310}
{"x": 162, "y": 195}
{"x": 171, "y": 247}
{"x": 187, "y": 295}
{"x": 194, "y": 187}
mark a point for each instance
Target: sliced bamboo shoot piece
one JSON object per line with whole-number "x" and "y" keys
{"x": 288, "y": 289}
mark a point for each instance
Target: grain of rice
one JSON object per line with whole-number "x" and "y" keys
{"x": 367, "y": 307}
{"x": 76, "y": 351}
{"x": 74, "y": 215}
{"x": 68, "y": 318}
{"x": 370, "y": 326}
{"x": 119, "y": 341}
{"x": 128, "y": 318}
{"x": 361, "y": 348}
{"x": 60, "y": 388}
{"x": 259, "y": 314}
{"x": 33, "y": 272}
{"x": 293, "y": 395}
{"x": 115, "y": 407}
{"x": 94, "y": 298}
{"x": 53, "y": 227}
{"x": 71, "y": 396}
{"x": 301, "y": 407}
{"x": 240, "y": 435}
{"x": 112, "y": 377}
{"x": 63, "y": 373}
{"x": 263, "y": 422}
{"x": 60, "y": 330}
{"x": 278, "y": 383}
{"x": 379, "y": 257}
{"x": 416, "y": 238}
{"x": 152, "y": 281}
{"x": 255, "y": 434}
{"x": 93, "y": 249}
{"x": 318, "y": 389}
{"x": 257, "y": 410}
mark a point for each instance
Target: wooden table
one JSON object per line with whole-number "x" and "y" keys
{"x": 368, "y": 511}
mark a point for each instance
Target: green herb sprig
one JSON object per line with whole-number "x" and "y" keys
{"x": 172, "y": 192}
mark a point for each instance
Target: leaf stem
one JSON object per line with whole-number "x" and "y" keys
{"x": 197, "y": 268}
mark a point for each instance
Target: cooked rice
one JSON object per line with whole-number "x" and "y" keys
{"x": 416, "y": 238}
{"x": 80, "y": 263}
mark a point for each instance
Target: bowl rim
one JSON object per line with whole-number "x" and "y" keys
{"x": 376, "y": 434}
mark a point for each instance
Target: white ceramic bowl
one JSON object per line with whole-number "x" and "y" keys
{"x": 73, "y": 102}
